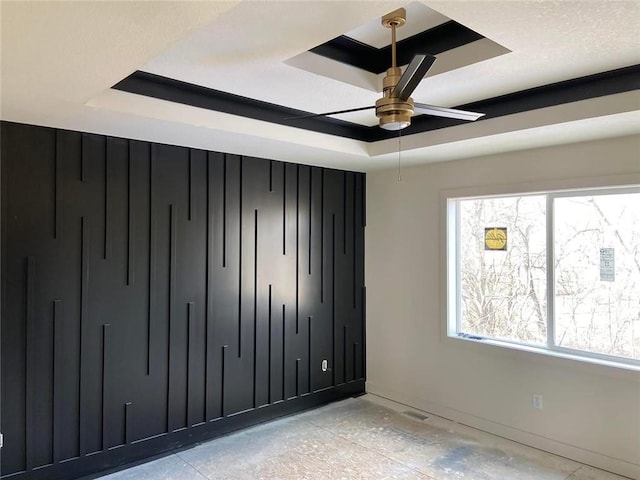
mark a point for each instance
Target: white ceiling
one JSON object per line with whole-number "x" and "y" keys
{"x": 59, "y": 60}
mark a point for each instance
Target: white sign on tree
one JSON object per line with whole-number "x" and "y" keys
{"x": 607, "y": 265}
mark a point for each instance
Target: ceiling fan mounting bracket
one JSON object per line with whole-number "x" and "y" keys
{"x": 396, "y": 18}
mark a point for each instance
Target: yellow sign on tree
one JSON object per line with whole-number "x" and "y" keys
{"x": 495, "y": 238}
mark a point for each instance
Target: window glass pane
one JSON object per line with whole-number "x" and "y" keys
{"x": 597, "y": 273}
{"x": 503, "y": 287}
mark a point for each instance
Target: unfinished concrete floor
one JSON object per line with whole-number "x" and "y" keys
{"x": 361, "y": 439}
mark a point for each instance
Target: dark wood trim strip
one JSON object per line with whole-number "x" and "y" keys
{"x": 171, "y": 304}
{"x": 298, "y": 360}
{"x": 270, "y": 315}
{"x": 284, "y": 343}
{"x": 345, "y": 329}
{"x": 240, "y": 263}
{"x": 130, "y": 220}
{"x": 82, "y": 157}
{"x": 284, "y": 209}
{"x": 363, "y": 310}
{"x": 190, "y": 187}
{"x": 152, "y": 255}
{"x": 333, "y": 296}
{"x": 322, "y": 262}
{"x": 58, "y": 345}
{"x": 84, "y": 312}
{"x": 310, "y": 215}
{"x": 127, "y": 422}
{"x": 173, "y": 233}
{"x": 297, "y": 249}
{"x": 223, "y": 380}
{"x": 363, "y": 199}
{"x": 208, "y": 330}
{"x": 354, "y": 244}
{"x": 255, "y": 308}
{"x": 107, "y": 243}
{"x": 344, "y": 213}
{"x": 224, "y": 212}
{"x": 355, "y": 362}
{"x": 190, "y": 343}
{"x": 57, "y": 209}
{"x": 105, "y": 386}
{"x": 309, "y": 347}
{"x": 30, "y": 363}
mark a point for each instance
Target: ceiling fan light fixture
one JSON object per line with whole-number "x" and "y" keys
{"x": 394, "y": 114}
{"x": 394, "y": 126}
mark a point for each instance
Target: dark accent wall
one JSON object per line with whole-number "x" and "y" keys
{"x": 154, "y": 296}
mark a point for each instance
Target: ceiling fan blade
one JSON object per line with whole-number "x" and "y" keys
{"x": 423, "y": 108}
{"x": 313, "y": 115}
{"x": 413, "y": 74}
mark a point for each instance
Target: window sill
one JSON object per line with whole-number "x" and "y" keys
{"x": 545, "y": 355}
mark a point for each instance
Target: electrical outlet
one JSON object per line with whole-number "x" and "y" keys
{"x": 325, "y": 365}
{"x": 537, "y": 401}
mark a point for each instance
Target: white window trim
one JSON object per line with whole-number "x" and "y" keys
{"x": 450, "y": 222}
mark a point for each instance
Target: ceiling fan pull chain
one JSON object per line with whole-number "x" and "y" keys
{"x": 399, "y": 156}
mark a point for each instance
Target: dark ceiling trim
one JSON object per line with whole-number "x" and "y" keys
{"x": 441, "y": 38}
{"x": 583, "y": 88}
{"x": 607, "y": 83}
{"x": 164, "y": 88}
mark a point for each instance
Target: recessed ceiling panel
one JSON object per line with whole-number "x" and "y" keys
{"x": 363, "y": 54}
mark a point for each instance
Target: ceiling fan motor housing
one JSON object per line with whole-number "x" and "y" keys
{"x": 393, "y": 113}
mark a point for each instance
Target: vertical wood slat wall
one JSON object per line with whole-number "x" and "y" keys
{"x": 155, "y": 295}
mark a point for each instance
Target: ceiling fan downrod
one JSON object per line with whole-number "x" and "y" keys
{"x": 393, "y": 113}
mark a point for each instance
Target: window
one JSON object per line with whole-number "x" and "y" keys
{"x": 554, "y": 271}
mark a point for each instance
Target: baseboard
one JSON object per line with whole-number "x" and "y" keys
{"x": 572, "y": 452}
{"x": 126, "y": 455}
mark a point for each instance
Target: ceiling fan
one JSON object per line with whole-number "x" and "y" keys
{"x": 396, "y": 107}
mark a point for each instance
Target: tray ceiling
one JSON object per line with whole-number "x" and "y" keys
{"x": 60, "y": 60}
